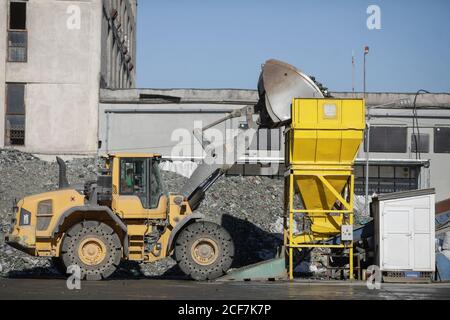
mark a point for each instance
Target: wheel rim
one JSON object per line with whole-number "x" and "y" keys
{"x": 92, "y": 251}
{"x": 204, "y": 251}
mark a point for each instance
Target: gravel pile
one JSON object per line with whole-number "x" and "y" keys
{"x": 250, "y": 208}
{"x": 23, "y": 174}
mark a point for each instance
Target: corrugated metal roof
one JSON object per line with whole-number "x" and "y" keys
{"x": 404, "y": 194}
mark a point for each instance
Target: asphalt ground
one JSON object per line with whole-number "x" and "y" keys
{"x": 157, "y": 289}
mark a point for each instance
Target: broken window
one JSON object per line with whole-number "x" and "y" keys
{"x": 15, "y": 115}
{"x": 17, "y": 34}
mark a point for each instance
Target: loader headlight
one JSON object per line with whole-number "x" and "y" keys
{"x": 25, "y": 217}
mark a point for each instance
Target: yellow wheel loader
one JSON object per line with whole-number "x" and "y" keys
{"x": 127, "y": 215}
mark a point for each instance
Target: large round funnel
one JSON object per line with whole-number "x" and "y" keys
{"x": 278, "y": 84}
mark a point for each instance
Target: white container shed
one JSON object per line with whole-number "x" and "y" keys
{"x": 405, "y": 231}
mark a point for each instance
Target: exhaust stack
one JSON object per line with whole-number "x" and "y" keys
{"x": 63, "y": 182}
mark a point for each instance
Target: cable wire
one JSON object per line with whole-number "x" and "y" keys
{"x": 416, "y": 123}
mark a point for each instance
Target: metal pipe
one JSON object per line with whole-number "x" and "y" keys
{"x": 140, "y": 111}
{"x": 367, "y": 205}
{"x": 364, "y": 76}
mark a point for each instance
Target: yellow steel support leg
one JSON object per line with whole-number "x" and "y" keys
{"x": 292, "y": 242}
{"x": 291, "y": 263}
{"x": 351, "y": 261}
{"x": 352, "y": 197}
{"x": 352, "y": 192}
{"x": 291, "y": 222}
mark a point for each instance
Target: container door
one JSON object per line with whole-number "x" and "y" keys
{"x": 397, "y": 235}
{"x": 423, "y": 237}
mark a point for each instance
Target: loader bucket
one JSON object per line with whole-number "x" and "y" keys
{"x": 278, "y": 84}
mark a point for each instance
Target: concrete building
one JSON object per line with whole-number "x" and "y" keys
{"x": 147, "y": 120}
{"x": 54, "y": 58}
{"x": 409, "y": 144}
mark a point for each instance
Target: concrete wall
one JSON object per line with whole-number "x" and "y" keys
{"x": 131, "y": 121}
{"x": 61, "y": 76}
{"x": 428, "y": 120}
{"x": 396, "y": 100}
{"x": 149, "y": 121}
{"x": 433, "y": 110}
{"x": 63, "y": 70}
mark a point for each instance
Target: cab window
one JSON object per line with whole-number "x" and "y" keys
{"x": 157, "y": 188}
{"x": 142, "y": 178}
{"x": 133, "y": 173}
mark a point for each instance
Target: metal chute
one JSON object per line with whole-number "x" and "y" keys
{"x": 278, "y": 84}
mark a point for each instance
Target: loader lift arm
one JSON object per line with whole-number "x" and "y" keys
{"x": 278, "y": 84}
{"x": 212, "y": 168}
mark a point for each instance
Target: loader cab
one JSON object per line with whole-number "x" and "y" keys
{"x": 138, "y": 190}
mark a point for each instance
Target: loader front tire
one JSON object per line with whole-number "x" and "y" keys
{"x": 94, "y": 247}
{"x": 204, "y": 251}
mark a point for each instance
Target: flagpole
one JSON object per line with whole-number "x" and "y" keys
{"x": 353, "y": 72}
{"x": 367, "y": 204}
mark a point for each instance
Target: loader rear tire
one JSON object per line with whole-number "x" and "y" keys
{"x": 94, "y": 247}
{"x": 204, "y": 251}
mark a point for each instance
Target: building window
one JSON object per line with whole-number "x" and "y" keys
{"x": 442, "y": 140}
{"x": 422, "y": 140}
{"x": 17, "y": 15}
{"x": 386, "y": 178}
{"x": 15, "y": 115}
{"x": 17, "y": 34}
{"x": 387, "y": 139}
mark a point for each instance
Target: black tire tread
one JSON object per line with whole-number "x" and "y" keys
{"x": 204, "y": 229}
{"x": 69, "y": 250}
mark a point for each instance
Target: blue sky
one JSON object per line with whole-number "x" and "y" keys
{"x": 222, "y": 44}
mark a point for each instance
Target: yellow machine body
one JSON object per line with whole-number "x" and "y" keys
{"x": 126, "y": 214}
{"x": 321, "y": 147}
{"x": 52, "y": 214}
